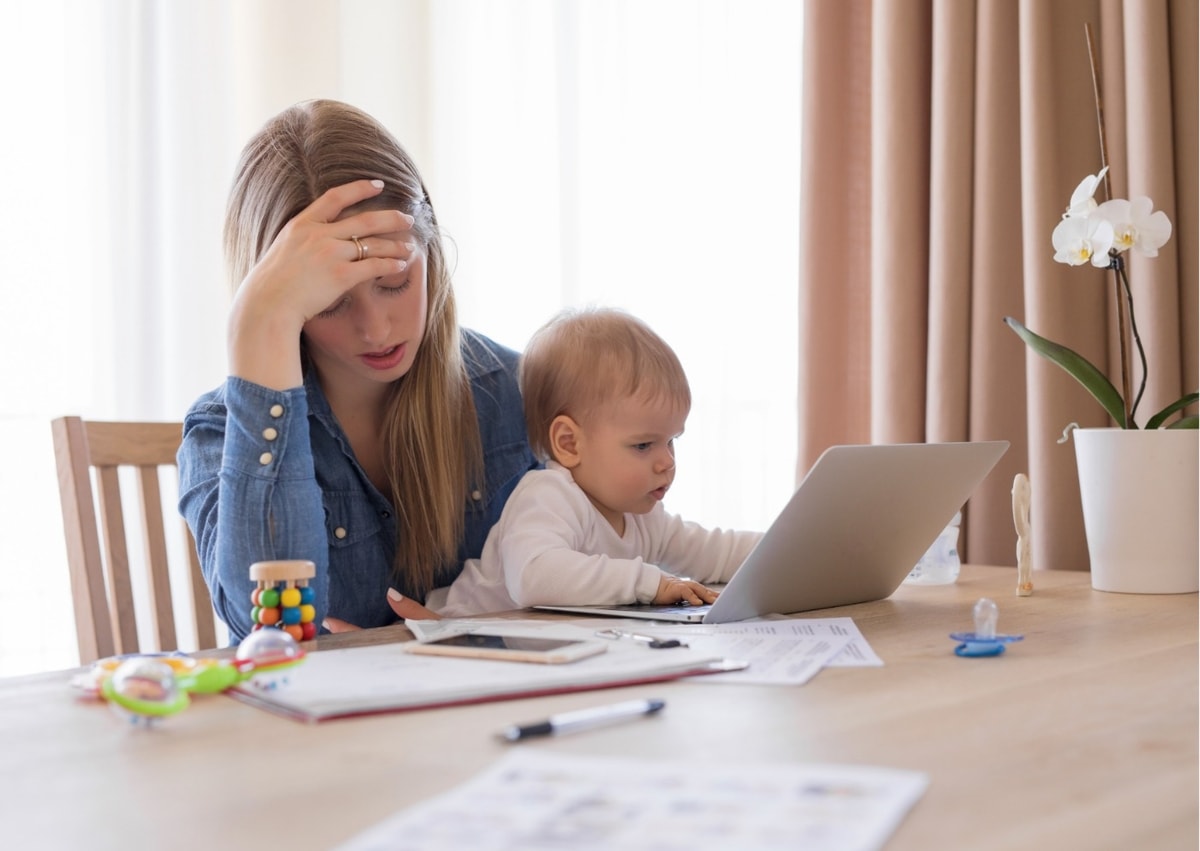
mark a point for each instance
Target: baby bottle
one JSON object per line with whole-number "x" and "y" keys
{"x": 940, "y": 564}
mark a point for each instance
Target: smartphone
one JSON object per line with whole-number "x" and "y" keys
{"x": 511, "y": 648}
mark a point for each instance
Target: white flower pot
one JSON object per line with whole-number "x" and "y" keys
{"x": 1139, "y": 491}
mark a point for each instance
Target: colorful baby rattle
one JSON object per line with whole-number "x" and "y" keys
{"x": 145, "y": 688}
{"x": 283, "y": 598}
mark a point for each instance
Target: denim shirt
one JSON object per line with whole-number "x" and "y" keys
{"x": 267, "y": 474}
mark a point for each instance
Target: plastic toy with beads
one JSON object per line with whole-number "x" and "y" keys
{"x": 144, "y": 688}
{"x": 283, "y": 597}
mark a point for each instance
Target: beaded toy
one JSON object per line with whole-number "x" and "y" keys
{"x": 143, "y": 688}
{"x": 283, "y": 598}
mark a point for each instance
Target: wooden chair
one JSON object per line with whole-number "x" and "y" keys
{"x": 101, "y": 580}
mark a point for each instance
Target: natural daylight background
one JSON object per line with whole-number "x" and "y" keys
{"x": 639, "y": 154}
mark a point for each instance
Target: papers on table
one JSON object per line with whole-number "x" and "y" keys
{"x": 780, "y": 651}
{"x": 385, "y": 678}
{"x": 539, "y": 799}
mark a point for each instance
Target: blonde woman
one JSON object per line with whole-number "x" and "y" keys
{"x": 360, "y": 427}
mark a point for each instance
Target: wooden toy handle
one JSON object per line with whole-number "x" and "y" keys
{"x": 283, "y": 570}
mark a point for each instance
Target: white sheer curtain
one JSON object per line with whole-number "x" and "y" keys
{"x": 642, "y": 155}
{"x": 116, "y": 144}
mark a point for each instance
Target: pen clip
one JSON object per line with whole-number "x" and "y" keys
{"x": 650, "y": 640}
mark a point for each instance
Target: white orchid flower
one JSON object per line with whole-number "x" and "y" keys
{"x": 1079, "y": 239}
{"x": 1082, "y": 202}
{"x": 1136, "y": 224}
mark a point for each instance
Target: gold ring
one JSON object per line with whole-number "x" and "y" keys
{"x": 362, "y": 249}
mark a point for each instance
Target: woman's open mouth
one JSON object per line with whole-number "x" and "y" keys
{"x": 386, "y": 359}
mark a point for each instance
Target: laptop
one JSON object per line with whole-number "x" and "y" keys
{"x": 855, "y": 527}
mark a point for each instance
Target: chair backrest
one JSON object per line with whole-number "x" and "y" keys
{"x": 101, "y": 580}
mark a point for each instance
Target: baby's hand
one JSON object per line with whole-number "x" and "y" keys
{"x": 676, "y": 589}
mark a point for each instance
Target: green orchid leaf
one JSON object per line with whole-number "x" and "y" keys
{"x": 1186, "y": 422}
{"x": 1158, "y": 419}
{"x": 1078, "y": 367}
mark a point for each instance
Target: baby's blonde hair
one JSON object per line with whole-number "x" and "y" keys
{"x": 585, "y": 358}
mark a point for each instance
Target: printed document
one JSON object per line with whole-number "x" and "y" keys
{"x": 537, "y": 799}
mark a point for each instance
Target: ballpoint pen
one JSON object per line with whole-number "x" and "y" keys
{"x": 582, "y": 719}
{"x": 656, "y": 643}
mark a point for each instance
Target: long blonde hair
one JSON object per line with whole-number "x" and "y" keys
{"x": 431, "y": 443}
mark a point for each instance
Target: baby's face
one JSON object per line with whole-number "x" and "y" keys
{"x": 627, "y": 456}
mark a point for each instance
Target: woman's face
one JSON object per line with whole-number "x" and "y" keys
{"x": 369, "y": 337}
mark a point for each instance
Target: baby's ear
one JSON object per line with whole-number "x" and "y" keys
{"x": 564, "y": 441}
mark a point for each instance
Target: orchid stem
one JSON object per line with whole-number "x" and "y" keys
{"x": 1094, "y": 61}
{"x": 1122, "y": 328}
{"x": 1118, "y": 266}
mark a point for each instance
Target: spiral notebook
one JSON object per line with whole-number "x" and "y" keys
{"x": 855, "y": 527}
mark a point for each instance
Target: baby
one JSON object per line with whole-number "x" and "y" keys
{"x": 605, "y": 397}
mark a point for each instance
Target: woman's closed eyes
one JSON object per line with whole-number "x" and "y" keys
{"x": 344, "y": 301}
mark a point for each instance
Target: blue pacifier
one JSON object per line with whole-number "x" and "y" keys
{"x": 983, "y": 641}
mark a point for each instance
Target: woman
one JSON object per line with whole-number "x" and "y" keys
{"x": 359, "y": 427}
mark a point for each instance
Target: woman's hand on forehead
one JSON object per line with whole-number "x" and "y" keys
{"x": 316, "y": 258}
{"x": 318, "y": 255}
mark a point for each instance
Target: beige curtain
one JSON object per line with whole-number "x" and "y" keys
{"x": 942, "y": 141}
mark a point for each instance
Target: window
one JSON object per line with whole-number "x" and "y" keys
{"x": 639, "y": 155}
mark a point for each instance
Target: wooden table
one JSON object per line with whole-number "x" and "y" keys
{"x": 1084, "y": 735}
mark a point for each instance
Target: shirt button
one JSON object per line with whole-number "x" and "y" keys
{"x": 385, "y": 514}
{"x": 476, "y": 495}
{"x": 270, "y": 433}
{"x": 265, "y": 458}
{"x": 339, "y": 533}
{"x": 277, "y": 410}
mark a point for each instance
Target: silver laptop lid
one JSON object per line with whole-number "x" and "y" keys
{"x": 854, "y": 528}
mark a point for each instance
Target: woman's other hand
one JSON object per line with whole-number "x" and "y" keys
{"x": 404, "y": 608}
{"x": 410, "y": 609}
